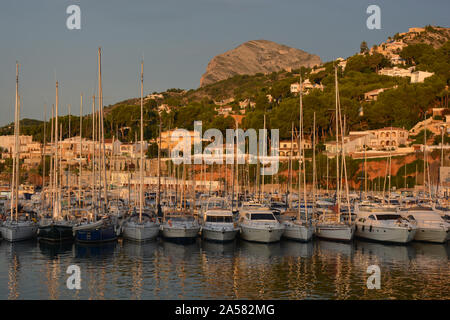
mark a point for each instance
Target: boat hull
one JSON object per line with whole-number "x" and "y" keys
{"x": 298, "y": 232}
{"x": 20, "y": 232}
{"x": 435, "y": 235}
{"x": 97, "y": 235}
{"x": 55, "y": 233}
{"x": 223, "y": 235}
{"x": 335, "y": 232}
{"x": 180, "y": 234}
{"x": 140, "y": 232}
{"x": 263, "y": 235}
{"x": 384, "y": 234}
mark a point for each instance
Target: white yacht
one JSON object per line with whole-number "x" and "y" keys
{"x": 18, "y": 230}
{"x": 295, "y": 229}
{"x": 260, "y": 225}
{"x": 218, "y": 225}
{"x": 140, "y": 228}
{"x": 179, "y": 226}
{"x": 383, "y": 224}
{"x": 331, "y": 227}
{"x": 335, "y": 231}
{"x": 430, "y": 225}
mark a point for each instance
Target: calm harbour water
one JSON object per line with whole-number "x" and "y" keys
{"x": 239, "y": 270}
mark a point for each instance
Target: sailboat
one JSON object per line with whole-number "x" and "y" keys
{"x": 180, "y": 225}
{"x": 144, "y": 226}
{"x": 328, "y": 227}
{"x": 295, "y": 228}
{"x": 97, "y": 227}
{"x": 53, "y": 227}
{"x": 17, "y": 228}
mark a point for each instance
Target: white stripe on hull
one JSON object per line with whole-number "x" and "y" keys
{"x": 264, "y": 235}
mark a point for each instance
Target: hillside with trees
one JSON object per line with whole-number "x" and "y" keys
{"x": 402, "y": 105}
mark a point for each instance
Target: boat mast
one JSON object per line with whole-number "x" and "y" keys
{"x": 327, "y": 174}
{"x": 158, "y": 197}
{"x": 314, "y": 159}
{"x": 52, "y": 159}
{"x": 390, "y": 168}
{"x": 232, "y": 175}
{"x": 14, "y": 182}
{"x": 347, "y": 195}
{"x": 81, "y": 149}
{"x": 55, "y": 168}
{"x": 289, "y": 182}
{"x": 94, "y": 194}
{"x": 102, "y": 130}
{"x": 365, "y": 170}
{"x": 237, "y": 166}
{"x": 69, "y": 189}
{"x": 338, "y": 196}
{"x": 43, "y": 161}
{"x": 141, "y": 167}
{"x": 300, "y": 119}
{"x": 305, "y": 199}
{"x": 264, "y": 152}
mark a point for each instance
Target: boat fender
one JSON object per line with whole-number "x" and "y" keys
{"x": 169, "y": 222}
{"x": 370, "y": 229}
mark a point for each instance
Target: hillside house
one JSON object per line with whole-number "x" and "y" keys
{"x": 420, "y": 76}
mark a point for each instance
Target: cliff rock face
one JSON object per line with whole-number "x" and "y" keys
{"x": 256, "y": 56}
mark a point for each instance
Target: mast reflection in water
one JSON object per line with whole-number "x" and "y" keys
{"x": 237, "y": 270}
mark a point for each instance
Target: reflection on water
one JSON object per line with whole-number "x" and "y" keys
{"x": 236, "y": 270}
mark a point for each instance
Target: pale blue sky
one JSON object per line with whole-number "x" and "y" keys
{"x": 177, "y": 39}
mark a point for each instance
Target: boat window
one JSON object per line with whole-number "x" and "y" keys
{"x": 372, "y": 217}
{"x": 388, "y": 216}
{"x": 262, "y": 216}
{"x": 411, "y": 218}
{"x": 219, "y": 219}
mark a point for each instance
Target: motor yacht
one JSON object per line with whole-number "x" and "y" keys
{"x": 383, "y": 224}
{"x": 218, "y": 225}
{"x": 260, "y": 225}
{"x": 180, "y": 226}
{"x": 430, "y": 225}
